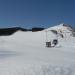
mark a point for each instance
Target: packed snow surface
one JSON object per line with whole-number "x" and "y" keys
{"x": 25, "y": 53}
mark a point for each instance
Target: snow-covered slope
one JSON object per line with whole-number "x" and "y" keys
{"x": 62, "y": 27}
{"x": 65, "y": 34}
{"x": 25, "y": 53}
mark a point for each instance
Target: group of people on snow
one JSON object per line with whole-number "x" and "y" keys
{"x": 52, "y": 43}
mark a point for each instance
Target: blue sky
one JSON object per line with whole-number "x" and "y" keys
{"x": 36, "y": 13}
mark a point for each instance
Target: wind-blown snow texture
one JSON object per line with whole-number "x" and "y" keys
{"x": 25, "y": 53}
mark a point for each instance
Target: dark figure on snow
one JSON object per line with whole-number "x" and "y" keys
{"x": 55, "y": 41}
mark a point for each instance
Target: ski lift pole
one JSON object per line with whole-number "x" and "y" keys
{"x": 48, "y": 42}
{"x": 46, "y": 37}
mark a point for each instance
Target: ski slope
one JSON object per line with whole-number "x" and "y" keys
{"x": 25, "y": 53}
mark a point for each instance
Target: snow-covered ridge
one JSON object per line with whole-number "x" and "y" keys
{"x": 25, "y": 53}
{"x": 63, "y": 29}
{"x": 61, "y": 26}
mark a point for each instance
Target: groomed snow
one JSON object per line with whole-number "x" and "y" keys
{"x": 25, "y": 53}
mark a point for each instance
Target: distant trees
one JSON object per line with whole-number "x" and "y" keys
{"x": 37, "y": 29}
{"x": 10, "y": 31}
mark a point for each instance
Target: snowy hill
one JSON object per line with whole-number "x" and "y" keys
{"x": 64, "y": 33}
{"x": 25, "y": 53}
{"x": 63, "y": 29}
